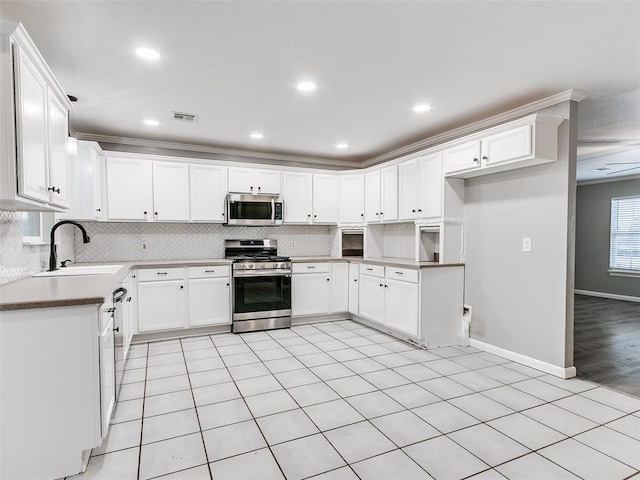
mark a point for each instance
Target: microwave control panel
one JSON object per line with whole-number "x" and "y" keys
{"x": 278, "y": 212}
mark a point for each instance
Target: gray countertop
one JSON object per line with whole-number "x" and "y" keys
{"x": 43, "y": 292}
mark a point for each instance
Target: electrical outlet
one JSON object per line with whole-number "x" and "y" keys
{"x": 293, "y": 244}
{"x": 526, "y": 244}
{"x": 144, "y": 245}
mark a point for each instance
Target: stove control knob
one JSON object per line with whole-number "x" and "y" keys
{"x": 263, "y": 266}
{"x": 251, "y": 265}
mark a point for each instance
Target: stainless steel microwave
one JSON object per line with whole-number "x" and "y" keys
{"x": 256, "y": 210}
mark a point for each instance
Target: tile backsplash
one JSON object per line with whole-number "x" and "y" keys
{"x": 17, "y": 260}
{"x": 399, "y": 240}
{"x": 176, "y": 241}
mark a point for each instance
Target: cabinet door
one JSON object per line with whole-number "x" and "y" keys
{"x": 83, "y": 170}
{"x": 372, "y": 298}
{"x": 389, "y": 193}
{"x": 161, "y": 305}
{"x": 209, "y": 301}
{"x": 208, "y": 189}
{"x": 325, "y": 198}
{"x": 401, "y": 306}
{"x": 408, "y": 190}
{"x": 352, "y": 199}
{"x": 462, "y": 157}
{"x": 339, "y": 287}
{"x": 31, "y": 123}
{"x": 268, "y": 181}
{"x": 107, "y": 374}
{"x": 310, "y": 293}
{"x": 514, "y": 144}
{"x": 58, "y": 156}
{"x": 372, "y": 196}
{"x": 297, "y": 193}
{"x": 430, "y": 181}
{"x": 354, "y": 290}
{"x": 129, "y": 189}
{"x": 127, "y": 315}
{"x": 241, "y": 180}
{"x": 96, "y": 184}
{"x": 170, "y": 191}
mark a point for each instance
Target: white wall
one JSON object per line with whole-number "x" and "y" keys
{"x": 523, "y": 302}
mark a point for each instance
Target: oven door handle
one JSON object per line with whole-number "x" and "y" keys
{"x": 260, "y": 273}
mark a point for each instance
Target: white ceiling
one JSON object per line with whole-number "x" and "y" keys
{"x": 235, "y": 64}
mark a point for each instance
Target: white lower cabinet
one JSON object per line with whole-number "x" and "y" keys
{"x": 354, "y": 288}
{"x": 161, "y": 299}
{"x": 390, "y": 296}
{"x": 310, "y": 289}
{"x": 107, "y": 368}
{"x": 339, "y": 287}
{"x": 209, "y": 296}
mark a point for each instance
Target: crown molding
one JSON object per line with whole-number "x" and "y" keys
{"x": 219, "y": 153}
{"x": 608, "y": 180}
{"x": 529, "y": 108}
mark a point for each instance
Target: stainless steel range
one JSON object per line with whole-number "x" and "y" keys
{"x": 261, "y": 285}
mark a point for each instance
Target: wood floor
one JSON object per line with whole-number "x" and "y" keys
{"x": 607, "y": 342}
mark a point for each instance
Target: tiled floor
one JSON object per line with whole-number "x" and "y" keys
{"x": 342, "y": 401}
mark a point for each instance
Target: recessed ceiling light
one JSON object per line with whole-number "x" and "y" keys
{"x": 342, "y": 146}
{"x": 257, "y": 135}
{"x": 148, "y": 53}
{"x": 151, "y": 123}
{"x": 306, "y": 86}
{"x": 422, "y": 107}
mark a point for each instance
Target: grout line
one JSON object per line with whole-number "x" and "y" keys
{"x": 144, "y": 399}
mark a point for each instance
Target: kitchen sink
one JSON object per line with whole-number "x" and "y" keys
{"x": 81, "y": 270}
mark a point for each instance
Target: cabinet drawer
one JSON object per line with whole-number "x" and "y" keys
{"x": 373, "y": 270}
{"x": 320, "y": 267}
{"x": 403, "y": 274}
{"x": 209, "y": 272}
{"x": 155, "y": 274}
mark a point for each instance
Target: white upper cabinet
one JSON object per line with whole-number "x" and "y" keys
{"x": 325, "y": 198}
{"x": 381, "y": 195}
{"x": 129, "y": 188}
{"x": 253, "y": 180}
{"x": 372, "y": 196}
{"x": 464, "y": 157}
{"x": 421, "y": 187}
{"x": 35, "y": 128}
{"x": 297, "y": 190}
{"x": 208, "y": 189}
{"x": 352, "y": 199}
{"x": 170, "y": 191}
{"x": 531, "y": 140}
{"x": 85, "y": 175}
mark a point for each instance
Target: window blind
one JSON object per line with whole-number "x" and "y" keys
{"x": 624, "y": 252}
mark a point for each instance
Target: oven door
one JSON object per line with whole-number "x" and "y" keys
{"x": 261, "y": 295}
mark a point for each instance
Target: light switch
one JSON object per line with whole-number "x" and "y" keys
{"x": 526, "y": 244}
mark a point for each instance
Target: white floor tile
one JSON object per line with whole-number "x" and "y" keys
{"x": 394, "y": 464}
{"x": 307, "y": 456}
{"x": 313, "y": 393}
{"x": 585, "y": 461}
{"x": 331, "y": 371}
{"x": 481, "y": 407}
{"x": 195, "y": 473}
{"x": 629, "y": 425}
{"x": 223, "y": 413}
{"x": 122, "y": 465}
{"x": 411, "y": 396}
{"x": 349, "y": 386}
{"x": 204, "y": 364}
{"x": 527, "y": 431}
{"x": 489, "y": 445}
{"x": 127, "y": 411}
{"x": 169, "y": 425}
{"x": 250, "y": 370}
{"x": 404, "y": 428}
{"x": 416, "y": 372}
{"x": 162, "y": 371}
{"x": 621, "y": 447}
{"x": 333, "y": 414}
{"x": 542, "y": 390}
{"x": 168, "y": 402}
{"x": 167, "y": 385}
{"x": 443, "y": 459}
{"x": 445, "y": 388}
{"x": 617, "y": 400}
{"x": 385, "y": 379}
{"x": 534, "y": 467}
{"x": 445, "y": 367}
{"x": 232, "y": 440}
{"x": 560, "y": 419}
{"x": 215, "y": 393}
{"x": 475, "y": 381}
{"x": 346, "y": 354}
{"x": 502, "y": 374}
{"x": 258, "y": 464}
{"x": 595, "y": 411}
{"x": 359, "y": 441}
{"x": 343, "y": 473}
{"x": 572, "y": 384}
{"x": 254, "y": 386}
{"x": 131, "y": 391}
{"x": 283, "y": 365}
{"x": 273, "y": 354}
{"x": 296, "y": 378}
{"x": 445, "y": 417}
{"x": 209, "y": 377}
{"x": 364, "y": 365}
{"x": 121, "y": 437}
{"x": 286, "y": 426}
{"x": 171, "y": 456}
{"x": 513, "y": 398}
{"x": 166, "y": 359}
{"x": 269, "y": 403}
{"x": 374, "y": 404}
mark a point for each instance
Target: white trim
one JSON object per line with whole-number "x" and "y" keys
{"x": 562, "y": 372}
{"x": 624, "y": 273}
{"x": 608, "y": 179}
{"x": 475, "y": 127}
{"x": 227, "y": 152}
{"x": 613, "y": 296}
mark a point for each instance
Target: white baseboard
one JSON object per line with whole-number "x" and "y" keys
{"x": 613, "y": 296}
{"x": 568, "y": 372}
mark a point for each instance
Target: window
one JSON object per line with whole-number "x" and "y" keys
{"x": 35, "y": 227}
{"x": 624, "y": 252}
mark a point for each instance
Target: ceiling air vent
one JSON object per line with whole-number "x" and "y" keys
{"x": 185, "y": 117}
